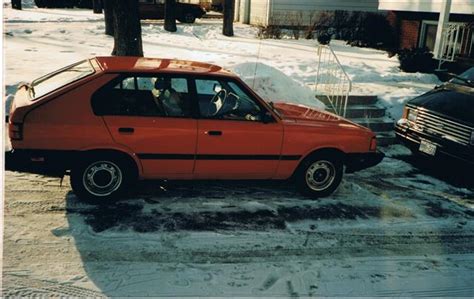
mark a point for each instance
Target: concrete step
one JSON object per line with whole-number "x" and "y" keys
{"x": 363, "y": 111}
{"x": 376, "y": 124}
{"x": 352, "y": 100}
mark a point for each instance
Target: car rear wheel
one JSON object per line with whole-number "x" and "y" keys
{"x": 320, "y": 175}
{"x": 101, "y": 179}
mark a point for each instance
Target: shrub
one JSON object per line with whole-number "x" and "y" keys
{"x": 324, "y": 38}
{"x": 416, "y": 60}
{"x": 271, "y": 31}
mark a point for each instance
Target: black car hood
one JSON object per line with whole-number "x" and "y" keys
{"x": 448, "y": 100}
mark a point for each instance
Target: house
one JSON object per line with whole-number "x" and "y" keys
{"x": 416, "y": 23}
{"x": 282, "y": 12}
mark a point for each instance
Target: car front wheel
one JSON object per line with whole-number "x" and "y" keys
{"x": 101, "y": 179}
{"x": 320, "y": 175}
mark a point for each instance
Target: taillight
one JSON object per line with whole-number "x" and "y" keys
{"x": 373, "y": 144}
{"x": 16, "y": 131}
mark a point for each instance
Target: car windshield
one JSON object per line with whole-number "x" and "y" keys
{"x": 467, "y": 75}
{"x": 59, "y": 78}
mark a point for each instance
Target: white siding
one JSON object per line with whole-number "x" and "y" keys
{"x": 284, "y": 12}
{"x": 312, "y": 5}
{"x": 457, "y": 6}
{"x": 259, "y": 12}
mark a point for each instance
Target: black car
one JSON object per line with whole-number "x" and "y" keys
{"x": 441, "y": 122}
{"x": 184, "y": 12}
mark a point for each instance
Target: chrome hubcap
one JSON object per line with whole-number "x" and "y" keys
{"x": 320, "y": 175}
{"x": 102, "y": 178}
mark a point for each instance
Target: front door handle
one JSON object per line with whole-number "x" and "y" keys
{"x": 126, "y": 130}
{"x": 214, "y": 133}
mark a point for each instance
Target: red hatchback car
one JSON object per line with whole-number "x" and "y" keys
{"x": 113, "y": 120}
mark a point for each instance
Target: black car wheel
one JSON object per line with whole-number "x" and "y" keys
{"x": 100, "y": 179}
{"x": 320, "y": 175}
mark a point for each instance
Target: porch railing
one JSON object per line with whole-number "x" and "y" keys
{"x": 457, "y": 41}
{"x": 332, "y": 84}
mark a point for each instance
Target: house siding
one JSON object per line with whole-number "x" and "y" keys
{"x": 259, "y": 10}
{"x": 311, "y": 5}
{"x": 457, "y": 6}
{"x": 277, "y": 12}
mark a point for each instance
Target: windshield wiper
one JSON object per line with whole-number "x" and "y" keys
{"x": 468, "y": 81}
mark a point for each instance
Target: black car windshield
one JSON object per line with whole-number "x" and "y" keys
{"x": 59, "y": 78}
{"x": 468, "y": 75}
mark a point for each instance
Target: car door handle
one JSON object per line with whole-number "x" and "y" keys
{"x": 126, "y": 130}
{"x": 214, "y": 133}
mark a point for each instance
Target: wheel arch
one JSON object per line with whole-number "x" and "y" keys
{"x": 320, "y": 151}
{"x": 129, "y": 158}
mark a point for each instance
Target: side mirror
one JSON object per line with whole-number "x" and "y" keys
{"x": 267, "y": 117}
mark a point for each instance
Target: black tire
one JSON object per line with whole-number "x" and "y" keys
{"x": 320, "y": 174}
{"x": 102, "y": 178}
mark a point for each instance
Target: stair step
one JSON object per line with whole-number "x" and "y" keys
{"x": 376, "y": 124}
{"x": 352, "y": 100}
{"x": 363, "y": 111}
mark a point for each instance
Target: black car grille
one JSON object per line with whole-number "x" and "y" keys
{"x": 432, "y": 124}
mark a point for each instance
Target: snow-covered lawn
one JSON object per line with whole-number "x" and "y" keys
{"x": 391, "y": 230}
{"x": 38, "y": 41}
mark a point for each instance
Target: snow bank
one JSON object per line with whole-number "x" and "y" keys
{"x": 273, "y": 85}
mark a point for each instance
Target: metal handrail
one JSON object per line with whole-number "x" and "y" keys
{"x": 457, "y": 39}
{"x": 332, "y": 81}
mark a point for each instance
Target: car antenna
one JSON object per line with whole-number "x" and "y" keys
{"x": 256, "y": 61}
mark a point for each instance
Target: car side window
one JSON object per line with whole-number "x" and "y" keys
{"x": 145, "y": 96}
{"x": 223, "y": 99}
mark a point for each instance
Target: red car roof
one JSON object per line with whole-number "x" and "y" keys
{"x": 141, "y": 64}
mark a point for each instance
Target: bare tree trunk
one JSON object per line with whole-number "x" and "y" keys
{"x": 97, "y": 6}
{"x": 109, "y": 16}
{"x": 170, "y": 17}
{"x": 228, "y": 29}
{"x": 127, "y": 29}
{"x": 16, "y": 4}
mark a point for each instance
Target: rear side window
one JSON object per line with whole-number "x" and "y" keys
{"x": 144, "y": 96}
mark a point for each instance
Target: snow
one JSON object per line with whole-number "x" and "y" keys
{"x": 279, "y": 70}
{"x": 391, "y": 230}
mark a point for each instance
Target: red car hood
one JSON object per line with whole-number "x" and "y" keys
{"x": 304, "y": 114}
{"x": 300, "y": 112}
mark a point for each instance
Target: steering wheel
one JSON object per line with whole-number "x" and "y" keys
{"x": 217, "y": 101}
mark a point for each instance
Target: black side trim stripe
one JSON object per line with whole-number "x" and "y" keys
{"x": 216, "y": 157}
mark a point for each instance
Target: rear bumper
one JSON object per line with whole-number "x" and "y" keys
{"x": 50, "y": 163}
{"x": 445, "y": 148}
{"x": 360, "y": 161}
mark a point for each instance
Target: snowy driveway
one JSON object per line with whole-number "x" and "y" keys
{"x": 389, "y": 230}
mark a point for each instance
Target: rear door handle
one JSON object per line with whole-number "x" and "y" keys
{"x": 214, "y": 133}
{"x": 126, "y": 130}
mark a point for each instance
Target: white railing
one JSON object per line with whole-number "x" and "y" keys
{"x": 457, "y": 40}
{"x": 332, "y": 83}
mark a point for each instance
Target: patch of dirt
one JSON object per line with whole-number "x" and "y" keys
{"x": 124, "y": 216}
